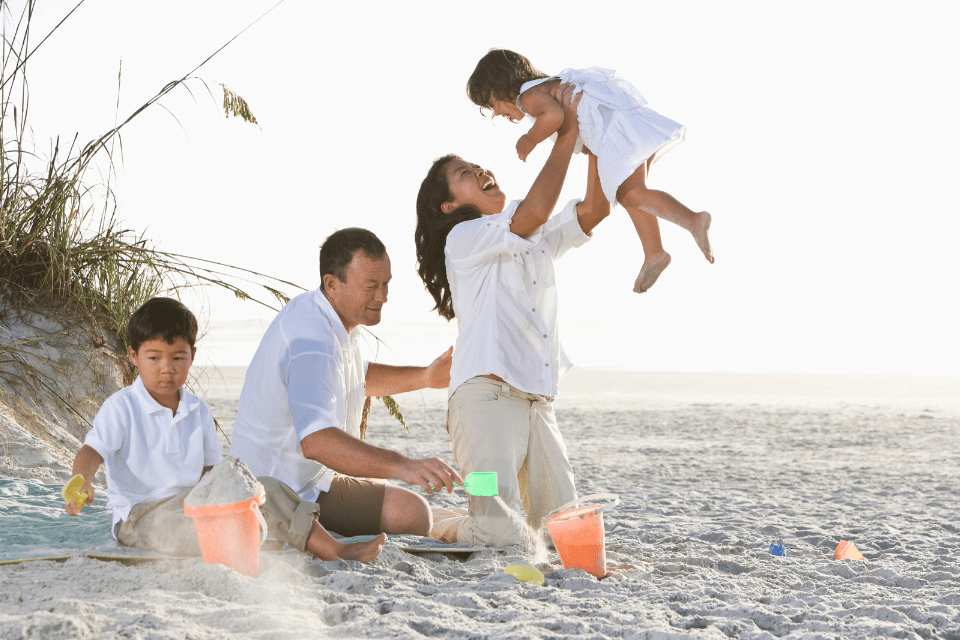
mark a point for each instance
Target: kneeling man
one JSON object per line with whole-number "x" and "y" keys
{"x": 298, "y": 425}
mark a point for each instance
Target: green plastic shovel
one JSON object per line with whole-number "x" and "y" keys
{"x": 480, "y": 483}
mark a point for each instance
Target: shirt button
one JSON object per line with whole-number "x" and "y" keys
{"x": 532, "y": 309}
{"x": 544, "y": 335}
{"x": 547, "y": 365}
{"x": 534, "y": 282}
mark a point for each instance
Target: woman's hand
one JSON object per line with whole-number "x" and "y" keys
{"x": 569, "y": 101}
{"x": 563, "y": 92}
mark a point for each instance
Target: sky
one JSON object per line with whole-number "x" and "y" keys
{"x": 821, "y": 136}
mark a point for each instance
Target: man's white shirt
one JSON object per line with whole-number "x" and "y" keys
{"x": 308, "y": 374}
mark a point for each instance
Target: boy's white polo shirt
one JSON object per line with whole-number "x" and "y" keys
{"x": 148, "y": 453}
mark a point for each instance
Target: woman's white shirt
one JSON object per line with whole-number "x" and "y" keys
{"x": 504, "y": 295}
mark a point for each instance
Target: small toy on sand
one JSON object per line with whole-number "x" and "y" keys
{"x": 847, "y": 551}
{"x": 525, "y": 572}
{"x": 71, "y": 492}
{"x": 777, "y": 549}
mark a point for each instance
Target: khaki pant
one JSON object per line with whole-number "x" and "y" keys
{"x": 160, "y": 526}
{"x": 494, "y": 427}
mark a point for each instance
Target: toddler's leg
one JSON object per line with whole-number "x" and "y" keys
{"x": 655, "y": 259}
{"x": 633, "y": 193}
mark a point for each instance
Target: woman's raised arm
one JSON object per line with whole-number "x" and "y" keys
{"x": 542, "y": 198}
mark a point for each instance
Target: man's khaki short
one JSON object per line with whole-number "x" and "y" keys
{"x": 351, "y": 508}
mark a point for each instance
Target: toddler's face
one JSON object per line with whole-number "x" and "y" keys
{"x": 164, "y": 368}
{"x": 505, "y": 108}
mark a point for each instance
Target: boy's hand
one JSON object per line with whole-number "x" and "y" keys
{"x": 524, "y": 146}
{"x": 71, "y": 507}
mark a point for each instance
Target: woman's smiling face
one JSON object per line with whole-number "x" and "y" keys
{"x": 472, "y": 185}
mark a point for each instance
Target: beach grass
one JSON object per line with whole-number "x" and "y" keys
{"x": 63, "y": 247}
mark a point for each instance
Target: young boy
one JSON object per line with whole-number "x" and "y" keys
{"x": 156, "y": 439}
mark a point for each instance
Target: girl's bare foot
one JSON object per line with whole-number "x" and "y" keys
{"x": 701, "y": 231}
{"x": 362, "y": 551}
{"x": 653, "y": 266}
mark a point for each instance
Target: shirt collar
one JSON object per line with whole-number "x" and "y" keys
{"x": 188, "y": 401}
{"x": 333, "y": 318}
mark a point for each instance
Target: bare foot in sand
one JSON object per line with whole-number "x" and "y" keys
{"x": 701, "y": 231}
{"x": 653, "y": 266}
{"x": 326, "y": 547}
{"x": 362, "y": 551}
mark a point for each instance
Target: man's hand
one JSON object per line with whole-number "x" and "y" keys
{"x": 438, "y": 372}
{"x": 564, "y": 93}
{"x": 430, "y": 474}
{"x": 524, "y": 146}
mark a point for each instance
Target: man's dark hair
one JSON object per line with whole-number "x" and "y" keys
{"x": 338, "y": 249}
{"x": 161, "y": 319}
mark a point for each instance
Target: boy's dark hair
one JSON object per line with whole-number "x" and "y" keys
{"x": 161, "y": 318}
{"x": 338, "y": 249}
{"x": 433, "y": 227}
{"x": 500, "y": 74}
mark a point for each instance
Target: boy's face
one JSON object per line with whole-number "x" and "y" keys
{"x": 164, "y": 368}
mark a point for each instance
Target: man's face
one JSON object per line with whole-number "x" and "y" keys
{"x": 360, "y": 299}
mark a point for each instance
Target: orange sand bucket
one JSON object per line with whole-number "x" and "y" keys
{"x": 577, "y": 533}
{"x": 231, "y": 534}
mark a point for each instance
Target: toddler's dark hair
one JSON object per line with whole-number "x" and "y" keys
{"x": 500, "y": 73}
{"x": 161, "y": 319}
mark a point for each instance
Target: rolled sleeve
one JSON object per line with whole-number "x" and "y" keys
{"x": 563, "y": 231}
{"x": 313, "y": 398}
{"x": 473, "y": 243}
{"x": 212, "y": 448}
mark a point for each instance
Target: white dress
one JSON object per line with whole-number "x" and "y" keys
{"x": 615, "y": 124}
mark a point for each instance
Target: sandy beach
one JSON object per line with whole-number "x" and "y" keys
{"x": 710, "y": 470}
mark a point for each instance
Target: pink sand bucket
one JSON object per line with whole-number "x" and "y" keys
{"x": 231, "y": 534}
{"x": 577, "y": 533}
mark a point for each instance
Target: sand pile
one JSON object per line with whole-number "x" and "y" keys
{"x": 229, "y": 481}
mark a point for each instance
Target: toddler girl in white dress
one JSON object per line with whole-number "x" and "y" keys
{"x": 615, "y": 125}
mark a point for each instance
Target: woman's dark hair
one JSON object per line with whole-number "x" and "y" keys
{"x": 161, "y": 319}
{"x": 500, "y": 73}
{"x": 337, "y": 251}
{"x": 433, "y": 226}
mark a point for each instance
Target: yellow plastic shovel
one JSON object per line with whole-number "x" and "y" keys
{"x": 71, "y": 492}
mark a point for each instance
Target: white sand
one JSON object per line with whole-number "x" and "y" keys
{"x": 706, "y": 483}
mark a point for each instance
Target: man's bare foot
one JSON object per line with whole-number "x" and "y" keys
{"x": 701, "y": 233}
{"x": 362, "y": 551}
{"x": 653, "y": 266}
